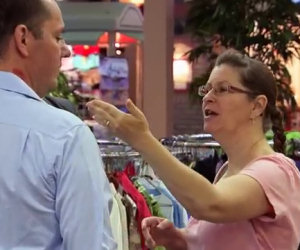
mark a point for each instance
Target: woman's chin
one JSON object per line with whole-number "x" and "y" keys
{"x": 208, "y": 129}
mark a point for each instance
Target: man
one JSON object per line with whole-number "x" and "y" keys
{"x": 54, "y": 194}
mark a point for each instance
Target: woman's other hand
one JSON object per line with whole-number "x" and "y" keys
{"x": 161, "y": 232}
{"x": 131, "y": 127}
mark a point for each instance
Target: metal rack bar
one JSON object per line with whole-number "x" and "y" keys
{"x": 111, "y": 143}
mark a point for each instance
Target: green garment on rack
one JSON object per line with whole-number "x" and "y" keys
{"x": 150, "y": 200}
{"x": 152, "y": 204}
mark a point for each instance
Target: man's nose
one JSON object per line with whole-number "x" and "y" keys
{"x": 65, "y": 51}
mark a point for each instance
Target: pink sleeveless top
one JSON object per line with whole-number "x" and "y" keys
{"x": 280, "y": 180}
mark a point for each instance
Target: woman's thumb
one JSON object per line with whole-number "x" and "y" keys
{"x": 134, "y": 109}
{"x": 165, "y": 224}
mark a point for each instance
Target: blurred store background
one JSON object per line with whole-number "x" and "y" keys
{"x": 139, "y": 49}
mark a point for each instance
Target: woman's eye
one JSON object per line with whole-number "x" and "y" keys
{"x": 222, "y": 89}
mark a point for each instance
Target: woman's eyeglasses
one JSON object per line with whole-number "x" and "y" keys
{"x": 221, "y": 89}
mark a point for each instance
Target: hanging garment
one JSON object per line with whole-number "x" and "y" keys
{"x": 151, "y": 202}
{"x": 180, "y": 216}
{"x": 115, "y": 219}
{"x": 207, "y": 166}
{"x": 134, "y": 237}
{"x": 142, "y": 208}
{"x": 124, "y": 222}
{"x": 164, "y": 202}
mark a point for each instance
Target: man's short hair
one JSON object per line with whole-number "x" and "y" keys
{"x": 31, "y": 13}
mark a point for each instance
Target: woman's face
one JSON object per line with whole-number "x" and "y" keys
{"x": 226, "y": 108}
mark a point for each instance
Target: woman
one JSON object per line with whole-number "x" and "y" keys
{"x": 254, "y": 202}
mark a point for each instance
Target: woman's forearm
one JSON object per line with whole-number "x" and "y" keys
{"x": 192, "y": 190}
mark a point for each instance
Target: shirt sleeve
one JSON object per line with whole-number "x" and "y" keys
{"x": 279, "y": 179}
{"x": 83, "y": 197}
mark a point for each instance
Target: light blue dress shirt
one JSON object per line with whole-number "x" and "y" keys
{"x": 54, "y": 194}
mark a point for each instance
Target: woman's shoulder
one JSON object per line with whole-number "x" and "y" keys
{"x": 273, "y": 159}
{"x": 273, "y": 168}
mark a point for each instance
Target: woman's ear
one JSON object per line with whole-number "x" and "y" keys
{"x": 259, "y": 106}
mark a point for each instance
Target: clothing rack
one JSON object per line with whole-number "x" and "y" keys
{"x": 177, "y": 145}
{"x": 121, "y": 155}
{"x": 188, "y": 144}
{"x": 116, "y": 149}
{"x": 191, "y": 141}
{"x": 194, "y": 141}
{"x": 111, "y": 143}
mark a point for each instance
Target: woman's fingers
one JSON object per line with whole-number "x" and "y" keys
{"x": 104, "y": 113}
{"x": 151, "y": 221}
{"x": 156, "y": 231}
{"x": 165, "y": 224}
{"x": 100, "y": 106}
{"x": 150, "y": 243}
{"x": 134, "y": 110}
{"x": 147, "y": 225}
{"x": 104, "y": 119}
{"x": 148, "y": 238}
{"x": 130, "y": 127}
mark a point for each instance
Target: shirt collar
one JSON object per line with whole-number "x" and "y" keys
{"x": 11, "y": 82}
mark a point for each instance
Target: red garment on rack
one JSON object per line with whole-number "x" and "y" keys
{"x": 142, "y": 207}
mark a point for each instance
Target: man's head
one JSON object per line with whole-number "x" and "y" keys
{"x": 31, "y": 45}
{"x": 31, "y": 13}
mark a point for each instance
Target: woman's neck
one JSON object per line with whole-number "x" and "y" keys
{"x": 241, "y": 148}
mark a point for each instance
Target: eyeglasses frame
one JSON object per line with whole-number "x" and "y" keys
{"x": 230, "y": 89}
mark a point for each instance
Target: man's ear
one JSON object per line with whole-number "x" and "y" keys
{"x": 22, "y": 36}
{"x": 259, "y": 106}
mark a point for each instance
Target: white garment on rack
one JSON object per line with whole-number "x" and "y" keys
{"x": 124, "y": 222}
{"x": 115, "y": 219}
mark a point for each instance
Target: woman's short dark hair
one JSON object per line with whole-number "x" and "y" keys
{"x": 258, "y": 78}
{"x": 31, "y": 13}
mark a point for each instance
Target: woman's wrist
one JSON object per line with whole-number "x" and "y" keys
{"x": 177, "y": 243}
{"x": 144, "y": 142}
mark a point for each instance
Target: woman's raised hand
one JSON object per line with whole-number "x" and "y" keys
{"x": 129, "y": 127}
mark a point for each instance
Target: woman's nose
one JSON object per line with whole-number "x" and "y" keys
{"x": 209, "y": 96}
